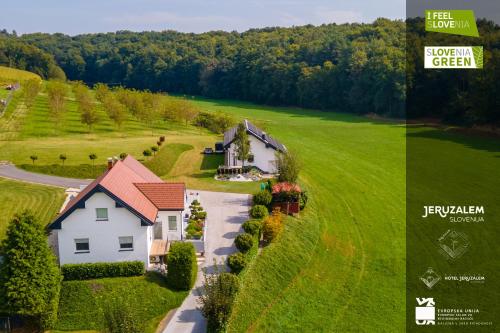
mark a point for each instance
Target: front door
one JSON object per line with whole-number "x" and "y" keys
{"x": 158, "y": 230}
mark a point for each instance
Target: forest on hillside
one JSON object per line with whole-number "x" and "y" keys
{"x": 357, "y": 68}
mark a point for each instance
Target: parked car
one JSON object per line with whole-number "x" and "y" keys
{"x": 208, "y": 150}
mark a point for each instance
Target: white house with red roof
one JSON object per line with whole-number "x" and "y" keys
{"x": 126, "y": 214}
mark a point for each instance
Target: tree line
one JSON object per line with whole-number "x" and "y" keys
{"x": 327, "y": 67}
{"x": 358, "y": 68}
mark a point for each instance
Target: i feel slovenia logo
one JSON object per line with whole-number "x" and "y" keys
{"x": 457, "y": 57}
{"x": 457, "y": 22}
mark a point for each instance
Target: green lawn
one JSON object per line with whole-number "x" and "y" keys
{"x": 15, "y": 196}
{"x": 345, "y": 256}
{"x": 343, "y": 259}
{"x": 82, "y": 302}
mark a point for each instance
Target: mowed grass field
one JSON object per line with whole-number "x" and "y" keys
{"x": 15, "y": 196}
{"x": 340, "y": 267}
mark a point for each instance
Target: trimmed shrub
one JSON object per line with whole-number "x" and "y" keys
{"x": 102, "y": 270}
{"x": 272, "y": 226}
{"x": 181, "y": 266}
{"x": 252, "y": 227}
{"x": 263, "y": 198}
{"x": 201, "y": 215}
{"x": 237, "y": 262}
{"x": 244, "y": 242}
{"x": 259, "y": 212}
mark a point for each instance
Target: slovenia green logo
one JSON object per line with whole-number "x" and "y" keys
{"x": 457, "y": 22}
{"x": 453, "y": 57}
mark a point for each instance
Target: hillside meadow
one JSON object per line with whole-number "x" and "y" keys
{"x": 340, "y": 259}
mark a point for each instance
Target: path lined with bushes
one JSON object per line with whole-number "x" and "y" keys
{"x": 225, "y": 214}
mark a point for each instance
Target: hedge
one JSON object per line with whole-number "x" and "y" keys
{"x": 102, "y": 270}
{"x": 181, "y": 266}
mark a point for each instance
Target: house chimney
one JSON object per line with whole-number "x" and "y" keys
{"x": 110, "y": 163}
{"x": 264, "y": 135}
{"x": 115, "y": 159}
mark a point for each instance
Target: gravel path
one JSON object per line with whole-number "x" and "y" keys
{"x": 10, "y": 171}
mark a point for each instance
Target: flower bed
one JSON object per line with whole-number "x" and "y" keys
{"x": 196, "y": 223}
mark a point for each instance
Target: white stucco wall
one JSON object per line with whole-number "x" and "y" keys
{"x": 169, "y": 234}
{"x": 264, "y": 157}
{"x": 103, "y": 235}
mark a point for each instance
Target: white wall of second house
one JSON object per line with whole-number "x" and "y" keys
{"x": 103, "y": 235}
{"x": 264, "y": 157}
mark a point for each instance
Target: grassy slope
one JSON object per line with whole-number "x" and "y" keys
{"x": 44, "y": 201}
{"x": 82, "y": 302}
{"x": 33, "y": 132}
{"x": 10, "y": 75}
{"x": 345, "y": 256}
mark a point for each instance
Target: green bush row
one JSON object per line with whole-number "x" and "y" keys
{"x": 102, "y": 270}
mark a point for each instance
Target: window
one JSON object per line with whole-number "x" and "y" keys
{"x": 172, "y": 223}
{"x": 101, "y": 214}
{"x": 126, "y": 243}
{"x": 251, "y": 158}
{"x": 82, "y": 245}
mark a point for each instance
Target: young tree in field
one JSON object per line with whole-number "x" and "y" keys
{"x": 63, "y": 158}
{"x": 123, "y": 156}
{"x": 187, "y": 111}
{"x": 33, "y": 158}
{"x": 80, "y": 90}
{"x": 115, "y": 110}
{"x": 56, "y": 91}
{"x": 93, "y": 157}
{"x": 88, "y": 112}
{"x": 146, "y": 153}
{"x": 101, "y": 90}
{"x": 154, "y": 149}
{"x": 152, "y": 109}
{"x": 217, "y": 301}
{"x": 288, "y": 166}
{"x": 31, "y": 88}
{"x": 29, "y": 276}
{"x": 242, "y": 144}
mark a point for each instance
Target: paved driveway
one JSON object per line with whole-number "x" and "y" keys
{"x": 226, "y": 212}
{"x": 12, "y": 172}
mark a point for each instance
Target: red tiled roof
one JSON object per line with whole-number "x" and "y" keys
{"x": 138, "y": 187}
{"x": 83, "y": 193}
{"x": 165, "y": 196}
